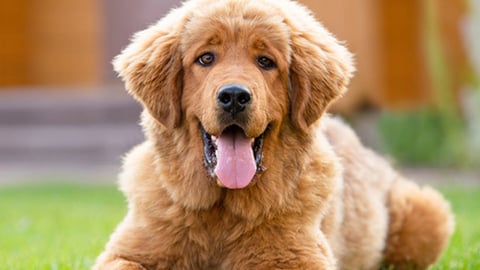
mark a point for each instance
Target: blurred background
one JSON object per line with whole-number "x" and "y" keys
{"x": 64, "y": 115}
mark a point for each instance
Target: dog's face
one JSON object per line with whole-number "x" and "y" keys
{"x": 235, "y": 86}
{"x": 239, "y": 72}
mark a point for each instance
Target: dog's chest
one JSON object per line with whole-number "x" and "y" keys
{"x": 209, "y": 236}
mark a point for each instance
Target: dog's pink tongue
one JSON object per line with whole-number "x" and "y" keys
{"x": 235, "y": 161}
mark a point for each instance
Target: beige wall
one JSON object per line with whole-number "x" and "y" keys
{"x": 390, "y": 40}
{"x": 13, "y": 42}
{"x": 58, "y": 42}
{"x": 50, "y": 42}
{"x": 385, "y": 37}
{"x": 64, "y": 41}
{"x": 68, "y": 43}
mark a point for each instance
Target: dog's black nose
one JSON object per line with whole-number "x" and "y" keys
{"x": 234, "y": 98}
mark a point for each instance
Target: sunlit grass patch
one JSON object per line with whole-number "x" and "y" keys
{"x": 56, "y": 226}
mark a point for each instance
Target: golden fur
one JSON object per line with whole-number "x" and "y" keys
{"x": 323, "y": 200}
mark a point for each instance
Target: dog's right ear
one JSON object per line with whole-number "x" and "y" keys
{"x": 320, "y": 68}
{"x": 151, "y": 67}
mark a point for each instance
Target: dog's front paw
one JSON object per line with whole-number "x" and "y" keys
{"x": 120, "y": 265}
{"x": 126, "y": 265}
{"x": 109, "y": 263}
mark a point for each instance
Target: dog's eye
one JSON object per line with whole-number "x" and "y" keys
{"x": 206, "y": 59}
{"x": 266, "y": 63}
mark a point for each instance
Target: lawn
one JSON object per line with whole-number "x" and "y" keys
{"x": 65, "y": 226}
{"x": 56, "y": 226}
{"x": 464, "y": 250}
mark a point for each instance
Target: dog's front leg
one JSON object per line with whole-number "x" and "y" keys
{"x": 133, "y": 246}
{"x": 277, "y": 249}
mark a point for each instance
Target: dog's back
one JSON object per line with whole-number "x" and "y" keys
{"x": 383, "y": 217}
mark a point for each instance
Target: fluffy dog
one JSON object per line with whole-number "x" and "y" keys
{"x": 241, "y": 168}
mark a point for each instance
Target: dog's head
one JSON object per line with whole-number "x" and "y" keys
{"x": 237, "y": 70}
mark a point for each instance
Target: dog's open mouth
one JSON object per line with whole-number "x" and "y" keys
{"x": 233, "y": 157}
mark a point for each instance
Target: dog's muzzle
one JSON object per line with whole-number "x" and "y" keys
{"x": 232, "y": 157}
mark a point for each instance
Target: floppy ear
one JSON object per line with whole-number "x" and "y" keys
{"x": 320, "y": 70}
{"x": 151, "y": 68}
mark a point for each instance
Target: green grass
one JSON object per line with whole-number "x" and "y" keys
{"x": 59, "y": 226}
{"x": 425, "y": 136}
{"x": 56, "y": 226}
{"x": 464, "y": 249}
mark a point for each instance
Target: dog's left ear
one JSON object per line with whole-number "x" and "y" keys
{"x": 320, "y": 70}
{"x": 151, "y": 67}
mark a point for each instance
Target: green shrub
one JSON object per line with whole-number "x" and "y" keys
{"x": 424, "y": 137}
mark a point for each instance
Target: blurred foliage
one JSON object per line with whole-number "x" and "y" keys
{"x": 424, "y": 137}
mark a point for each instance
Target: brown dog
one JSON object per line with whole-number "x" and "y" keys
{"x": 239, "y": 169}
